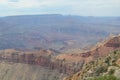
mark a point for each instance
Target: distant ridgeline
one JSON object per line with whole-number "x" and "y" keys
{"x": 54, "y": 31}
{"x": 64, "y": 63}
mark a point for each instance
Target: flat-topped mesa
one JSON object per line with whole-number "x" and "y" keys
{"x": 101, "y": 49}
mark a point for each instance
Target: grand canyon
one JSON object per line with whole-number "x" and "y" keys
{"x": 56, "y": 47}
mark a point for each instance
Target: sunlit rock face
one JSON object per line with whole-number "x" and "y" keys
{"x": 115, "y": 42}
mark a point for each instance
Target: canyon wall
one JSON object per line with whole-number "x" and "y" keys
{"x": 64, "y": 63}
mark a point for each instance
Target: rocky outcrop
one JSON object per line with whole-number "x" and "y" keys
{"x": 100, "y": 50}
{"x": 43, "y": 58}
{"x": 103, "y": 66}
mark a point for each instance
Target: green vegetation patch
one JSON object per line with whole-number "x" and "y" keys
{"x": 108, "y": 77}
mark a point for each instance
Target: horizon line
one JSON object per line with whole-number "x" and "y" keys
{"x": 55, "y": 14}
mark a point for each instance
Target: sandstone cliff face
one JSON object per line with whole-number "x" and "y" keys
{"x": 43, "y": 58}
{"x": 19, "y": 71}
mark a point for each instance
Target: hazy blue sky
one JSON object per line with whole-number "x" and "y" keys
{"x": 67, "y": 7}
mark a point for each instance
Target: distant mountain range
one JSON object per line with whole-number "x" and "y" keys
{"x": 54, "y": 31}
